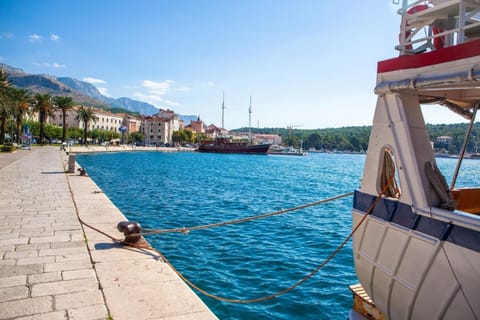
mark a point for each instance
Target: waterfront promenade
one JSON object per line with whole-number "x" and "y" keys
{"x": 53, "y": 267}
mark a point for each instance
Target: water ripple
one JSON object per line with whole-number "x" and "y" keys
{"x": 171, "y": 190}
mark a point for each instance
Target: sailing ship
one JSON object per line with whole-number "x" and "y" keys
{"x": 227, "y": 144}
{"x": 230, "y": 145}
{"x": 416, "y": 238}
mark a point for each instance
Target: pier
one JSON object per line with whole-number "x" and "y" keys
{"x": 53, "y": 267}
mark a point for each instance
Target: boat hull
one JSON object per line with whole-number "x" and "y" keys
{"x": 418, "y": 266}
{"x": 226, "y": 148}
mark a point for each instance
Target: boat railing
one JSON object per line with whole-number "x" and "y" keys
{"x": 444, "y": 23}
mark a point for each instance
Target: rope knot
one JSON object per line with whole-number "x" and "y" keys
{"x": 185, "y": 231}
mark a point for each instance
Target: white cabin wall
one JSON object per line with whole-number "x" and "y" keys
{"x": 398, "y": 123}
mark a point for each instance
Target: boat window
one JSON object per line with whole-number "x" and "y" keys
{"x": 388, "y": 182}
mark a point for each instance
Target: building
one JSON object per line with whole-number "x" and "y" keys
{"x": 132, "y": 123}
{"x": 159, "y": 128}
{"x": 444, "y": 140}
{"x": 267, "y": 138}
{"x": 70, "y": 121}
{"x": 105, "y": 120}
{"x": 213, "y": 131}
{"x": 196, "y": 126}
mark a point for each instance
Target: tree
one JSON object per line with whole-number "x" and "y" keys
{"x": 95, "y": 135}
{"x": 313, "y": 141}
{"x": 21, "y": 103}
{"x": 42, "y": 103}
{"x": 136, "y": 137}
{"x": 200, "y": 137}
{"x": 182, "y": 136}
{"x": 189, "y": 135}
{"x": 4, "y": 104}
{"x": 75, "y": 133}
{"x": 53, "y": 132}
{"x": 86, "y": 115}
{"x": 64, "y": 104}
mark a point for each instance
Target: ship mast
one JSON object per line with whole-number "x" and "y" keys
{"x": 223, "y": 109}
{"x": 250, "y": 121}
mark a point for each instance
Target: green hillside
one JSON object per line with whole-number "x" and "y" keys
{"x": 355, "y": 139}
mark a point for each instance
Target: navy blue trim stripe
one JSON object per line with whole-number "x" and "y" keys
{"x": 400, "y": 213}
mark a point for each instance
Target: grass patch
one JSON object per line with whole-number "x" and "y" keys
{"x": 8, "y": 147}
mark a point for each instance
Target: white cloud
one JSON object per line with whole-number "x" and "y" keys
{"x": 104, "y": 91}
{"x": 94, "y": 80}
{"x": 160, "y": 88}
{"x": 154, "y": 99}
{"x": 182, "y": 89}
{"x": 49, "y": 65}
{"x": 54, "y": 37}
{"x": 150, "y": 98}
{"x": 171, "y": 103}
{"x": 34, "y": 38}
{"x": 156, "y": 92}
{"x": 6, "y": 35}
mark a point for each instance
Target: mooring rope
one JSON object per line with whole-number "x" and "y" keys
{"x": 278, "y": 293}
{"x": 186, "y": 230}
{"x": 263, "y": 298}
{"x": 251, "y": 218}
{"x": 305, "y": 278}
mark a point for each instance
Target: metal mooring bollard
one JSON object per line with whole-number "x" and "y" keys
{"x": 132, "y": 231}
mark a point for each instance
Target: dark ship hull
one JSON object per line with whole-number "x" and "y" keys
{"x": 232, "y": 147}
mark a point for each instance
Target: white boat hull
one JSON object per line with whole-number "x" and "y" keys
{"x": 417, "y": 252}
{"x": 410, "y": 272}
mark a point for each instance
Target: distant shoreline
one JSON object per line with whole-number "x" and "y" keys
{"x": 122, "y": 148}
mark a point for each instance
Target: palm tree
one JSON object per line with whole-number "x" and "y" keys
{"x": 63, "y": 103}
{"x": 85, "y": 115}
{"x": 44, "y": 106}
{"x": 4, "y": 104}
{"x": 21, "y": 102}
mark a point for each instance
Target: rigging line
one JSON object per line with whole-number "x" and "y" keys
{"x": 465, "y": 143}
{"x": 186, "y": 230}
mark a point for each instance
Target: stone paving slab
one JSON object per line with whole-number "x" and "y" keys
{"x": 52, "y": 267}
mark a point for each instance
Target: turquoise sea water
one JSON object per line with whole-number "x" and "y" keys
{"x": 249, "y": 260}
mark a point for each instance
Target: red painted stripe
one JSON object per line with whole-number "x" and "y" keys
{"x": 461, "y": 51}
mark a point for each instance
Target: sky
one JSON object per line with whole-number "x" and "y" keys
{"x": 305, "y": 63}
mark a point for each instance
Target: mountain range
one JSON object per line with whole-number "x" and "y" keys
{"x": 82, "y": 92}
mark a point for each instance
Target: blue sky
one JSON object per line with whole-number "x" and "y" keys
{"x": 306, "y": 63}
